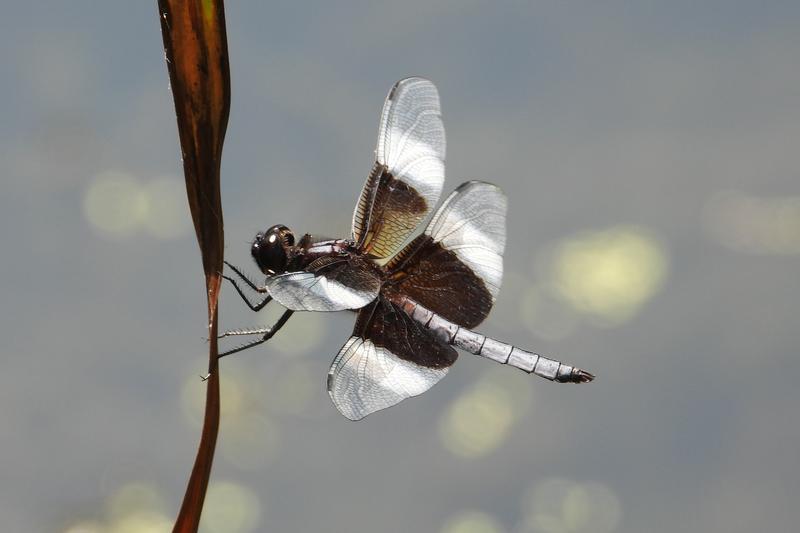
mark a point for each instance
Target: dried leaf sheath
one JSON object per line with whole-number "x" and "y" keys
{"x": 197, "y": 59}
{"x": 196, "y": 51}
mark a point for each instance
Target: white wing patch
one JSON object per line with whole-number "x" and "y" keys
{"x": 472, "y": 224}
{"x": 305, "y": 291}
{"x": 411, "y": 141}
{"x": 411, "y": 144}
{"x": 364, "y": 378}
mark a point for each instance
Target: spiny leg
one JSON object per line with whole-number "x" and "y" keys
{"x": 246, "y": 279}
{"x": 254, "y": 306}
{"x": 268, "y": 333}
{"x": 250, "y": 331}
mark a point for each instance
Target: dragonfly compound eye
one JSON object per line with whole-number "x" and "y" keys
{"x": 270, "y": 249}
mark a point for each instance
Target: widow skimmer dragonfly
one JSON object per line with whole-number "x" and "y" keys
{"x": 415, "y": 301}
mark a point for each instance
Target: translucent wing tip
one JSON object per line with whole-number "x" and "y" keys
{"x": 411, "y": 80}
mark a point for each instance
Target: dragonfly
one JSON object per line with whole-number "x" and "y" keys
{"x": 416, "y": 298}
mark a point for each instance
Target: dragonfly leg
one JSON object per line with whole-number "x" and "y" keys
{"x": 251, "y": 331}
{"x": 246, "y": 279}
{"x": 258, "y": 306}
{"x": 267, "y": 334}
{"x": 254, "y": 306}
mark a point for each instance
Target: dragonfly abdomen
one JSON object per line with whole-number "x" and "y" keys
{"x": 500, "y": 352}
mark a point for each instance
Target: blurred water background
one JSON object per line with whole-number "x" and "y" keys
{"x": 649, "y": 151}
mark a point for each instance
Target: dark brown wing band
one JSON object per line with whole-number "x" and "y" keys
{"x": 435, "y": 277}
{"x": 388, "y": 326}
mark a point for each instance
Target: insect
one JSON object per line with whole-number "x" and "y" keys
{"x": 415, "y": 302}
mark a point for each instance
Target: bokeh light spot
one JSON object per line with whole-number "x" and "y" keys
{"x": 752, "y": 225}
{"x": 565, "y": 506}
{"x": 481, "y": 419}
{"x": 114, "y": 204}
{"x": 230, "y": 508}
{"x": 471, "y": 521}
{"x": 136, "y": 507}
{"x": 167, "y": 214}
{"x": 609, "y": 274}
{"x": 86, "y": 527}
{"x": 118, "y": 205}
{"x": 142, "y": 522}
{"x": 134, "y": 497}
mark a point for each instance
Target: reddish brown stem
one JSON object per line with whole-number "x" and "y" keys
{"x": 197, "y": 59}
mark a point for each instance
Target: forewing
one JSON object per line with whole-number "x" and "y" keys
{"x": 406, "y": 180}
{"x": 456, "y": 267}
{"x": 325, "y": 286}
{"x": 389, "y": 358}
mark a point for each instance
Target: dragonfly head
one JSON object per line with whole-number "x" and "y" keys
{"x": 270, "y": 249}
